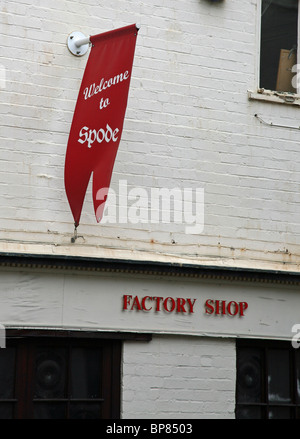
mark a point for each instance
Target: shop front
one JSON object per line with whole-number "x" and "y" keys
{"x": 89, "y": 338}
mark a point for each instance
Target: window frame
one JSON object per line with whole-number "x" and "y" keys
{"x": 26, "y": 346}
{"x": 266, "y": 405}
{"x": 274, "y": 96}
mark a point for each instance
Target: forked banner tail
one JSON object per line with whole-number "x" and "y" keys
{"x": 98, "y": 118}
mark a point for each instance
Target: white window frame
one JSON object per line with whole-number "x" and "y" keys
{"x": 262, "y": 94}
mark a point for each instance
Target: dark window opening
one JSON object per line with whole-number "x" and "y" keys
{"x": 268, "y": 378}
{"x": 279, "y": 37}
{"x": 60, "y": 379}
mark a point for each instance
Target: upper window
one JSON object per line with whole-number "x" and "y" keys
{"x": 279, "y": 45}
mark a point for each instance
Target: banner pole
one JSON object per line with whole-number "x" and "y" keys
{"x": 82, "y": 41}
{"x": 78, "y": 43}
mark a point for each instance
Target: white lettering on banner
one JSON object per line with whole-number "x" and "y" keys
{"x": 104, "y": 103}
{"x": 94, "y": 89}
{"x": 90, "y": 136}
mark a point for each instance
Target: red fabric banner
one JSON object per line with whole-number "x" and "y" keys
{"x": 98, "y": 118}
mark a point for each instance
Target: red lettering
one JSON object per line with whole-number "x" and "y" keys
{"x": 191, "y": 304}
{"x": 143, "y": 303}
{"x": 158, "y": 299}
{"x": 126, "y": 300}
{"x": 217, "y": 306}
{"x": 232, "y": 308}
{"x": 180, "y": 305}
{"x": 209, "y": 307}
{"x": 243, "y": 307}
{"x": 172, "y": 304}
{"x": 136, "y": 304}
{"x": 229, "y": 308}
{"x": 223, "y": 306}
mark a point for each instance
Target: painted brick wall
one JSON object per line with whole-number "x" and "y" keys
{"x": 189, "y": 124}
{"x": 179, "y": 377}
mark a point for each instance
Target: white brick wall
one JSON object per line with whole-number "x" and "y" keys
{"x": 189, "y": 123}
{"x": 179, "y": 377}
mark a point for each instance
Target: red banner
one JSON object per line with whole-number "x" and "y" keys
{"x": 98, "y": 118}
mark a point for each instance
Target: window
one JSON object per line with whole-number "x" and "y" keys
{"x": 268, "y": 377}
{"x": 279, "y": 45}
{"x": 52, "y": 378}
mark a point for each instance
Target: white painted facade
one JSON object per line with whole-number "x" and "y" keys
{"x": 190, "y": 123}
{"x": 183, "y": 378}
